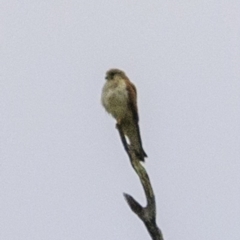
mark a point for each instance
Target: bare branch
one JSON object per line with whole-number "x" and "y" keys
{"x": 146, "y": 214}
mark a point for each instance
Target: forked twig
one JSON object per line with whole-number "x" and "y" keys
{"x": 146, "y": 214}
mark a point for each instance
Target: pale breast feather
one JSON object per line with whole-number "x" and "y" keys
{"x": 115, "y": 98}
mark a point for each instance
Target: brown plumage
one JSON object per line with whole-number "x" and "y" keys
{"x": 119, "y": 97}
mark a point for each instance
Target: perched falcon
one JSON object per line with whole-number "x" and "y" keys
{"x": 119, "y": 98}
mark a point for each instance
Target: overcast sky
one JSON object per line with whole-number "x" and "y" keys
{"x": 62, "y": 166}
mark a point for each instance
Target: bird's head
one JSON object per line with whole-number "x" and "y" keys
{"x": 112, "y": 73}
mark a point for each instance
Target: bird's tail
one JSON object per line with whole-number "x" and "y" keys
{"x": 133, "y": 134}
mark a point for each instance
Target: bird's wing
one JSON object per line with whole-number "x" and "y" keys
{"x": 132, "y": 103}
{"x": 134, "y": 131}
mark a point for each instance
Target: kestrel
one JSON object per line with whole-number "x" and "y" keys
{"x": 119, "y": 98}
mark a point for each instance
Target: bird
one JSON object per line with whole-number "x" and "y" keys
{"x": 119, "y": 98}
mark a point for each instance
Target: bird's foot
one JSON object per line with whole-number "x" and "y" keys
{"x": 118, "y": 124}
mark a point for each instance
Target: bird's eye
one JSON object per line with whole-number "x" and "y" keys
{"x": 112, "y": 75}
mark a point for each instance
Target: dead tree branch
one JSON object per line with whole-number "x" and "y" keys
{"x": 146, "y": 214}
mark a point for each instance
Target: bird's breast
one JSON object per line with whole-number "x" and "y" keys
{"x": 115, "y": 98}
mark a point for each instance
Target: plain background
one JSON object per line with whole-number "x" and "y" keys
{"x": 62, "y": 166}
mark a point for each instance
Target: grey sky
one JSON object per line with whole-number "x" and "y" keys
{"x": 63, "y": 169}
